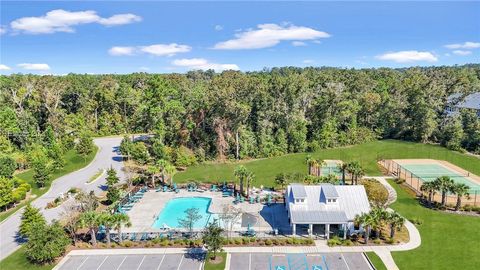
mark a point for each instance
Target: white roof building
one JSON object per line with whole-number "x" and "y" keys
{"x": 457, "y": 101}
{"x": 325, "y": 204}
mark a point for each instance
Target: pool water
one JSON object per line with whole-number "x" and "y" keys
{"x": 175, "y": 210}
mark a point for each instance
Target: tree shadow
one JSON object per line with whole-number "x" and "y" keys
{"x": 196, "y": 254}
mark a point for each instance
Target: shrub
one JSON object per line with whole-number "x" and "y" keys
{"x": 416, "y": 221}
{"x": 377, "y": 241}
{"x": 376, "y": 192}
{"x": 268, "y": 242}
{"x": 46, "y": 243}
{"x": 347, "y": 242}
{"x": 148, "y": 244}
{"x": 238, "y": 241}
{"x": 73, "y": 190}
{"x": 113, "y": 245}
{"x": 184, "y": 157}
{"x": 127, "y": 244}
{"x": 390, "y": 240}
{"x": 334, "y": 241}
{"x": 289, "y": 241}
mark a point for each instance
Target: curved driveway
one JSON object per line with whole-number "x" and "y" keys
{"x": 107, "y": 156}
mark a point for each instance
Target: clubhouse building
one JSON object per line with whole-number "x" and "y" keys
{"x": 325, "y": 206}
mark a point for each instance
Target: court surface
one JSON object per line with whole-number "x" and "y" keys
{"x": 135, "y": 262}
{"x": 326, "y": 261}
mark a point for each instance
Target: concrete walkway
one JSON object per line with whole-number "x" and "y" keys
{"x": 107, "y": 155}
{"x": 384, "y": 252}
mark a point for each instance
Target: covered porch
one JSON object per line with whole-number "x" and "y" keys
{"x": 319, "y": 229}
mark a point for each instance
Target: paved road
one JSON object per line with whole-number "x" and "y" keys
{"x": 108, "y": 155}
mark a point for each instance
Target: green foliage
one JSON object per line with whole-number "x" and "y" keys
{"x": 184, "y": 157}
{"x": 113, "y": 194}
{"x": 46, "y": 243}
{"x": 112, "y": 178}
{"x": 192, "y": 215}
{"x": 212, "y": 237}
{"x": 41, "y": 172}
{"x": 85, "y": 145}
{"x": 139, "y": 153}
{"x": 31, "y": 220}
{"x": 6, "y": 187}
{"x": 7, "y": 166}
{"x": 377, "y": 194}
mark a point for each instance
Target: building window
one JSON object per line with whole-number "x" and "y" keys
{"x": 329, "y": 200}
{"x": 334, "y": 200}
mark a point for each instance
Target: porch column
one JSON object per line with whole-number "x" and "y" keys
{"x": 344, "y": 231}
{"x": 294, "y": 229}
{"x": 310, "y": 227}
{"x": 327, "y": 231}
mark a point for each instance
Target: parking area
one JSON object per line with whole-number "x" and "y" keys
{"x": 139, "y": 262}
{"x": 327, "y": 261}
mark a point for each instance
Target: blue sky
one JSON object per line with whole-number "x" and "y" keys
{"x": 122, "y": 37}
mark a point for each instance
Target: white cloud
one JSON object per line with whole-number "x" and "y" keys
{"x": 154, "y": 49}
{"x": 299, "y": 43}
{"x": 308, "y": 61}
{"x": 269, "y": 35}
{"x": 218, "y": 27}
{"x": 4, "y": 67}
{"x": 120, "y": 19}
{"x": 201, "y": 63}
{"x": 38, "y": 67}
{"x": 60, "y": 20}
{"x": 408, "y": 56}
{"x": 461, "y": 52}
{"x": 117, "y": 51}
{"x": 465, "y": 45}
{"x": 317, "y": 41}
{"x": 144, "y": 68}
{"x": 165, "y": 49}
{"x": 3, "y": 29}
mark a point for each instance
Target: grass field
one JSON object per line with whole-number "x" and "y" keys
{"x": 367, "y": 154}
{"x": 449, "y": 241}
{"x": 376, "y": 261}
{"x": 73, "y": 162}
{"x": 18, "y": 261}
{"x": 211, "y": 266}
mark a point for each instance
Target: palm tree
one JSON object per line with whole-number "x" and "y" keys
{"x": 366, "y": 220}
{"x": 250, "y": 178}
{"x": 308, "y": 161}
{"x": 396, "y": 222}
{"x": 379, "y": 216}
{"x": 356, "y": 170}
{"x": 153, "y": 170}
{"x": 460, "y": 189}
{"x": 90, "y": 220}
{"x": 343, "y": 167}
{"x": 443, "y": 184}
{"x": 119, "y": 220}
{"x": 162, "y": 163}
{"x": 106, "y": 219}
{"x": 430, "y": 188}
{"x": 241, "y": 173}
{"x": 170, "y": 170}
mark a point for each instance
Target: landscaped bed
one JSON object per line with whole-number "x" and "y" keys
{"x": 447, "y": 239}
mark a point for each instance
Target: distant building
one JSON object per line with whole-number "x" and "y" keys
{"x": 325, "y": 208}
{"x": 456, "y": 102}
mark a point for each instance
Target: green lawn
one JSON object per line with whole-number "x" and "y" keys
{"x": 367, "y": 154}
{"x": 449, "y": 241}
{"x": 73, "y": 162}
{"x": 376, "y": 261}
{"x": 210, "y": 266}
{"x": 18, "y": 261}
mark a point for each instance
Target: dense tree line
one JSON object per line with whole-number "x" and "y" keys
{"x": 240, "y": 115}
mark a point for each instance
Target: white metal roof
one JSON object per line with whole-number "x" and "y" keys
{"x": 298, "y": 191}
{"x": 351, "y": 201}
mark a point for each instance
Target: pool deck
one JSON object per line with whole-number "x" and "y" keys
{"x": 145, "y": 211}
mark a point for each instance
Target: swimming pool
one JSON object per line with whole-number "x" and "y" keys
{"x": 175, "y": 210}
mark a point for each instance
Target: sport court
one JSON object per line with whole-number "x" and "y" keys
{"x": 139, "y": 262}
{"x": 299, "y": 261}
{"x": 429, "y": 170}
